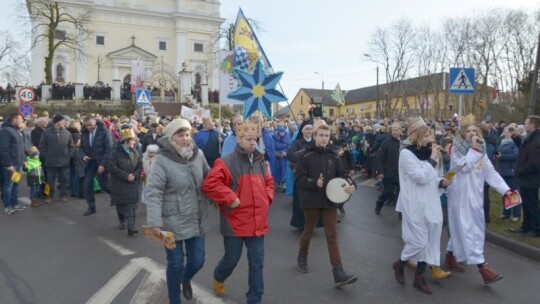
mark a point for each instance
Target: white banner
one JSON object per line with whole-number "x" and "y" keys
{"x": 194, "y": 114}
{"x": 227, "y": 82}
{"x": 138, "y": 75}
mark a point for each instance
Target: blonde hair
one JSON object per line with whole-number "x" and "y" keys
{"x": 321, "y": 127}
{"x": 463, "y": 131}
{"x": 418, "y": 135}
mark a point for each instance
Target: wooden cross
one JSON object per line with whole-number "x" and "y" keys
{"x": 133, "y": 40}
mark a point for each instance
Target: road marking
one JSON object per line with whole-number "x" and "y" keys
{"x": 121, "y": 250}
{"x": 115, "y": 285}
{"x": 24, "y": 200}
{"x": 149, "y": 285}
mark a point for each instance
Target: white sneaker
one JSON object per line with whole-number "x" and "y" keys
{"x": 9, "y": 211}
{"x": 19, "y": 208}
{"x": 514, "y": 219}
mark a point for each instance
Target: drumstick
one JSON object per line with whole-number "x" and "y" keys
{"x": 321, "y": 177}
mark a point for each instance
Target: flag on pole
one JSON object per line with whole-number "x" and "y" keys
{"x": 495, "y": 93}
{"x": 247, "y": 48}
{"x": 337, "y": 95}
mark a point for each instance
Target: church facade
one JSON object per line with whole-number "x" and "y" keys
{"x": 167, "y": 37}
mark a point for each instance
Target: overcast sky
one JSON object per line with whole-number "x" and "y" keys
{"x": 330, "y": 37}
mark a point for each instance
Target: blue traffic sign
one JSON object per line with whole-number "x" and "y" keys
{"x": 461, "y": 81}
{"x": 26, "y": 109}
{"x": 143, "y": 97}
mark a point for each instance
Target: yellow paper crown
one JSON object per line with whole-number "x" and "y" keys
{"x": 247, "y": 129}
{"x": 127, "y": 133}
{"x": 468, "y": 120}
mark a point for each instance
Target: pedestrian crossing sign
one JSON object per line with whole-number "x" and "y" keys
{"x": 143, "y": 97}
{"x": 461, "y": 81}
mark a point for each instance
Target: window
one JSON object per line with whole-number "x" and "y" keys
{"x": 100, "y": 40}
{"x": 331, "y": 112}
{"x": 59, "y": 35}
{"x": 198, "y": 47}
{"x": 163, "y": 45}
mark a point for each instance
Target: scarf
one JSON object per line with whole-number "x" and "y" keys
{"x": 422, "y": 153}
{"x": 506, "y": 141}
{"x": 462, "y": 146}
{"x": 184, "y": 152}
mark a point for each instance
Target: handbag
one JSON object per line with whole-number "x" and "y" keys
{"x": 16, "y": 177}
{"x": 46, "y": 189}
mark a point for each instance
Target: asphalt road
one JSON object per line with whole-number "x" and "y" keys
{"x": 52, "y": 254}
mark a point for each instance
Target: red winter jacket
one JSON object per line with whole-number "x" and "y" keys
{"x": 234, "y": 176}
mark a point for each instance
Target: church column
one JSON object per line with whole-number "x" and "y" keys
{"x": 116, "y": 72}
{"x": 180, "y": 49}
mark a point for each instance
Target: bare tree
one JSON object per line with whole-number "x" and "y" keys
{"x": 57, "y": 27}
{"x": 393, "y": 49}
{"x": 14, "y": 63}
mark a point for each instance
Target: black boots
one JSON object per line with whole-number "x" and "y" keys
{"x": 342, "y": 278}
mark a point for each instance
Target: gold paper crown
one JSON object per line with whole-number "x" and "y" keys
{"x": 247, "y": 129}
{"x": 415, "y": 122}
{"x": 127, "y": 133}
{"x": 468, "y": 120}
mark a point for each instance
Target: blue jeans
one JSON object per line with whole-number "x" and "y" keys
{"x": 9, "y": 190}
{"x": 34, "y": 190}
{"x": 255, "y": 253}
{"x": 176, "y": 271}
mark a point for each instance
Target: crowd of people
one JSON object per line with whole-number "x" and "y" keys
{"x": 436, "y": 174}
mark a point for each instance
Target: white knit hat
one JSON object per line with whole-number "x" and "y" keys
{"x": 176, "y": 125}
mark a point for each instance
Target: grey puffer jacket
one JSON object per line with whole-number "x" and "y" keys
{"x": 174, "y": 200}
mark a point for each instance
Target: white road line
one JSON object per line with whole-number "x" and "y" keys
{"x": 121, "y": 250}
{"x": 115, "y": 285}
{"x": 145, "y": 292}
{"x": 24, "y": 200}
{"x": 200, "y": 293}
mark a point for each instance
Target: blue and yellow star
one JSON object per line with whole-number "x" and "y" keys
{"x": 257, "y": 90}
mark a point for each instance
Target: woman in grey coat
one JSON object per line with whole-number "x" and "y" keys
{"x": 125, "y": 166}
{"x": 175, "y": 203}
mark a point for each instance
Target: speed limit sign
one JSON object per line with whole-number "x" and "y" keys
{"x": 27, "y": 94}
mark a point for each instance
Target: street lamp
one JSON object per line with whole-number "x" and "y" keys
{"x": 378, "y": 105}
{"x": 322, "y": 94}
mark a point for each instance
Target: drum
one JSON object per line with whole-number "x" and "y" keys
{"x": 335, "y": 190}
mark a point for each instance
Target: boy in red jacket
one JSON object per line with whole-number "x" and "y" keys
{"x": 242, "y": 186}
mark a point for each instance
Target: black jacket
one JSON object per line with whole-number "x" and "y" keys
{"x": 101, "y": 148}
{"x": 298, "y": 148}
{"x": 56, "y": 147}
{"x": 36, "y": 135}
{"x": 388, "y": 159}
{"x": 121, "y": 164}
{"x": 148, "y": 140}
{"x": 528, "y": 163}
{"x": 11, "y": 146}
{"x": 311, "y": 164}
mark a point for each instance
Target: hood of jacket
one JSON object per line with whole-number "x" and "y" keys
{"x": 169, "y": 151}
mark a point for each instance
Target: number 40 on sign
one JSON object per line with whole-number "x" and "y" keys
{"x": 26, "y": 94}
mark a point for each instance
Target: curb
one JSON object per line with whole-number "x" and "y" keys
{"x": 525, "y": 250}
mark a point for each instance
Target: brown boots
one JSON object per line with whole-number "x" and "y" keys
{"x": 35, "y": 203}
{"x": 488, "y": 275}
{"x": 399, "y": 271}
{"x": 420, "y": 284}
{"x": 451, "y": 263}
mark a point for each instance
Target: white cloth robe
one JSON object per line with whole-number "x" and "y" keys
{"x": 466, "y": 205}
{"x": 420, "y": 204}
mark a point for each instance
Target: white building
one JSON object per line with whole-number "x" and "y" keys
{"x": 174, "y": 34}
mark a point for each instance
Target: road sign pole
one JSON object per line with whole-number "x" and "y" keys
{"x": 460, "y": 105}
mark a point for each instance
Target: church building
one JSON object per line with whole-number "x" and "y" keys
{"x": 175, "y": 41}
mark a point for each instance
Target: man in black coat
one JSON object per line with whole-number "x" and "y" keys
{"x": 152, "y": 137}
{"x": 387, "y": 167}
{"x": 96, "y": 143}
{"x": 56, "y": 147}
{"x": 528, "y": 177}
